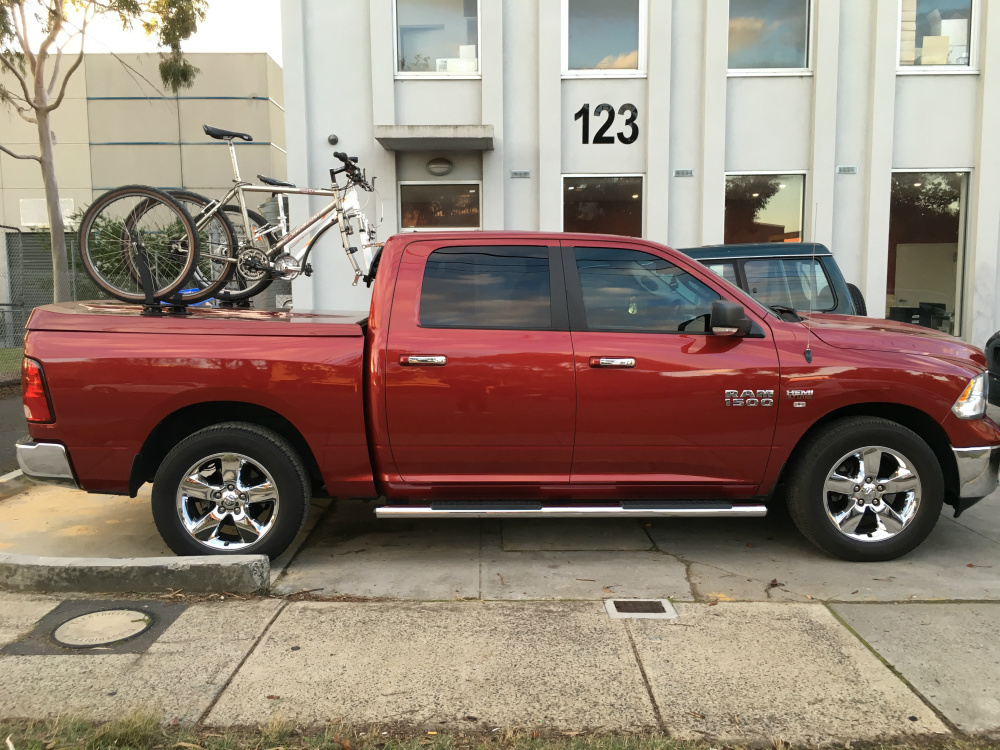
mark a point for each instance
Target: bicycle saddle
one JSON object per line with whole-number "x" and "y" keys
{"x": 219, "y": 134}
{"x": 273, "y": 182}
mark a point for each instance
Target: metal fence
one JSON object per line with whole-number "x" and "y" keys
{"x": 26, "y": 283}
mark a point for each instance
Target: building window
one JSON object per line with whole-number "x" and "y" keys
{"x": 437, "y": 37}
{"x": 604, "y": 39}
{"x": 768, "y": 34}
{"x": 764, "y": 207}
{"x": 935, "y": 32}
{"x": 439, "y": 205}
{"x": 487, "y": 287}
{"x": 603, "y": 204}
{"x": 926, "y": 248}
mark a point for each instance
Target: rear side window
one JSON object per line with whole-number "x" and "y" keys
{"x": 800, "y": 283}
{"x": 725, "y": 270}
{"x": 504, "y": 286}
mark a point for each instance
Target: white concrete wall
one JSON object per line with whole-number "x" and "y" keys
{"x": 853, "y": 107}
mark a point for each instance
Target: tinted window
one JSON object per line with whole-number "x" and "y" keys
{"x": 486, "y": 287}
{"x": 799, "y": 283}
{"x": 725, "y": 270}
{"x": 631, "y": 290}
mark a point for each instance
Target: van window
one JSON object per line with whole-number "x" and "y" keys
{"x": 799, "y": 283}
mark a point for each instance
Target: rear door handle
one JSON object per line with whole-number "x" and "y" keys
{"x": 434, "y": 360}
{"x": 612, "y": 361}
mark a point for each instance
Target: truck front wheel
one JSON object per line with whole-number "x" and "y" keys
{"x": 232, "y": 488}
{"x": 865, "y": 489}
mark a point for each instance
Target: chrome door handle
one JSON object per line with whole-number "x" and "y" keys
{"x": 612, "y": 361}
{"x": 434, "y": 360}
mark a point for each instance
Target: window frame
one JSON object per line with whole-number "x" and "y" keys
{"x": 562, "y": 194}
{"x": 807, "y": 71}
{"x": 639, "y": 72}
{"x": 415, "y": 75}
{"x": 418, "y": 230}
{"x": 557, "y": 287}
{"x": 805, "y": 194}
{"x": 975, "y": 14}
{"x": 964, "y": 277}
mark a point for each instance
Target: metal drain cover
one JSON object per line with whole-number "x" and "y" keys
{"x": 102, "y": 628}
{"x": 656, "y": 609}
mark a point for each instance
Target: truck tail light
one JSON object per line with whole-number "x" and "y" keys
{"x": 34, "y": 394}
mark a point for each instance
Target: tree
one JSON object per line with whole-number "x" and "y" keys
{"x": 39, "y": 81}
{"x": 746, "y": 197}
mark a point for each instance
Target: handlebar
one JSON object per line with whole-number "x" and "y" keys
{"x": 353, "y": 172}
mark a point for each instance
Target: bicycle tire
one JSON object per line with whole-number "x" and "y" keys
{"x": 239, "y": 287}
{"x": 135, "y": 217}
{"x": 218, "y": 242}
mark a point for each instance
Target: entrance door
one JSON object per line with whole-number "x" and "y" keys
{"x": 479, "y": 379}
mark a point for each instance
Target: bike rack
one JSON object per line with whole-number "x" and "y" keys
{"x": 173, "y": 306}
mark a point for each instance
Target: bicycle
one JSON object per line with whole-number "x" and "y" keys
{"x": 262, "y": 255}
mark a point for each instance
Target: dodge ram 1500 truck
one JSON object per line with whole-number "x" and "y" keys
{"x": 502, "y": 374}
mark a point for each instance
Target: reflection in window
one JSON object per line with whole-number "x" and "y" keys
{"x": 630, "y": 290}
{"x": 935, "y": 32}
{"x": 437, "y": 36}
{"x": 768, "y": 34}
{"x": 799, "y": 283}
{"x": 439, "y": 205}
{"x": 486, "y": 287}
{"x": 603, "y": 35}
{"x": 764, "y": 208}
{"x": 926, "y": 248}
{"x": 607, "y": 205}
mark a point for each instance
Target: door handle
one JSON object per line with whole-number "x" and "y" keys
{"x": 612, "y": 362}
{"x": 434, "y": 360}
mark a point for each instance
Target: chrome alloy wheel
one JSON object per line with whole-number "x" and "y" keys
{"x": 871, "y": 494}
{"x": 227, "y": 501}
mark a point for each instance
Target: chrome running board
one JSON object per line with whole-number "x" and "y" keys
{"x": 629, "y": 509}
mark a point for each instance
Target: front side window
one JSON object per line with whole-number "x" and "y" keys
{"x": 603, "y": 205}
{"x": 926, "y": 248}
{"x": 487, "y": 287}
{"x": 766, "y": 34}
{"x": 629, "y": 290}
{"x": 437, "y": 37}
{"x": 439, "y": 205}
{"x": 603, "y": 36}
{"x": 799, "y": 283}
{"x": 764, "y": 207}
{"x": 935, "y": 32}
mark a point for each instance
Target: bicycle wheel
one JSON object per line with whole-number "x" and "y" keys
{"x": 218, "y": 241}
{"x": 240, "y": 285}
{"x": 137, "y": 219}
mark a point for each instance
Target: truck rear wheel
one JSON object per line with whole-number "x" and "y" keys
{"x": 865, "y": 489}
{"x": 231, "y": 489}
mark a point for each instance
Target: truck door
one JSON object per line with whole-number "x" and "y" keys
{"x": 479, "y": 369}
{"x": 660, "y": 400}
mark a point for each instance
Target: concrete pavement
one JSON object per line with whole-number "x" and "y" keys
{"x": 13, "y": 427}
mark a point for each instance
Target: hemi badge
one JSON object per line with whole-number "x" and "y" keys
{"x": 798, "y": 395}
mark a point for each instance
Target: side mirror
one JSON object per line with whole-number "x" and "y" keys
{"x": 729, "y": 319}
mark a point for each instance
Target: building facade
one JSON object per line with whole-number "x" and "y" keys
{"x": 867, "y": 125}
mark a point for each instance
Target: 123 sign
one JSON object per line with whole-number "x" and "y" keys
{"x": 626, "y": 136}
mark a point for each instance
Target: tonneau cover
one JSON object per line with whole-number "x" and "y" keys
{"x": 120, "y": 317}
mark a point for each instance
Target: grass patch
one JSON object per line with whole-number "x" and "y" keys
{"x": 142, "y": 731}
{"x": 10, "y": 364}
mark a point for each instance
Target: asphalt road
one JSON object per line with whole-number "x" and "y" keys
{"x": 12, "y": 426}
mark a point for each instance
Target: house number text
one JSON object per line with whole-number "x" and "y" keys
{"x": 628, "y": 135}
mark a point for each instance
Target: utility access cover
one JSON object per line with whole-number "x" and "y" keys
{"x": 102, "y": 628}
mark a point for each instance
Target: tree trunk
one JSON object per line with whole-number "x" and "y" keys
{"x": 57, "y": 228}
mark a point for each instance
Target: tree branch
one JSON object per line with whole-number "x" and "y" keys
{"x": 19, "y": 156}
{"x": 20, "y": 78}
{"x": 22, "y": 36}
{"x": 72, "y": 68}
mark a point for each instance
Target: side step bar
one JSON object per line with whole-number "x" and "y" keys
{"x": 628, "y": 509}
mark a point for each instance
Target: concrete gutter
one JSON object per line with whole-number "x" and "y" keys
{"x": 237, "y": 574}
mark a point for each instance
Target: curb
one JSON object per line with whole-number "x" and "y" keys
{"x": 14, "y": 483}
{"x": 205, "y": 574}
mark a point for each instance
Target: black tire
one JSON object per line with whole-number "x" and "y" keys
{"x": 262, "y": 456}
{"x": 138, "y": 215}
{"x": 812, "y": 507}
{"x": 239, "y": 287}
{"x": 217, "y": 241}
{"x": 858, "y": 300}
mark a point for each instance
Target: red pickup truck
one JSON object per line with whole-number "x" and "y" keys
{"x": 502, "y": 374}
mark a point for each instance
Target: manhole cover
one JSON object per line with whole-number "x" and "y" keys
{"x": 640, "y": 609}
{"x": 102, "y": 628}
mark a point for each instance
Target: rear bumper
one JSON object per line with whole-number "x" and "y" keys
{"x": 45, "y": 462}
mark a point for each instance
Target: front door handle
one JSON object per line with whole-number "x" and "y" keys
{"x": 612, "y": 362}
{"x": 434, "y": 360}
